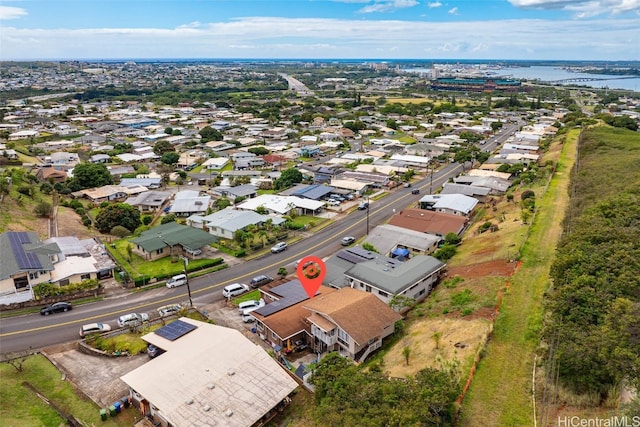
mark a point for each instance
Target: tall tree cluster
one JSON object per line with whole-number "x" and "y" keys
{"x": 346, "y": 395}
{"x": 594, "y": 305}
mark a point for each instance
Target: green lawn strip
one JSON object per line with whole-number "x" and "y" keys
{"x": 22, "y": 407}
{"x": 500, "y": 394}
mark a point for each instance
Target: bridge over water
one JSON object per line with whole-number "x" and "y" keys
{"x": 590, "y": 79}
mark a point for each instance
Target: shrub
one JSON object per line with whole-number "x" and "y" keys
{"x": 120, "y": 231}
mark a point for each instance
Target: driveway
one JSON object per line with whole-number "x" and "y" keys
{"x": 99, "y": 377}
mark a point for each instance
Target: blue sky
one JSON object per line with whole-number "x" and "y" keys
{"x": 385, "y": 29}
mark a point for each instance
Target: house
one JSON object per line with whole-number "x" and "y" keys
{"x": 350, "y": 321}
{"x": 151, "y": 182}
{"x": 208, "y": 375}
{"x": 283, "y": 320}
{"x": 51, "y": 174}
{"x": 430, "y": 222}
{"x": 386, "y": 278}
{"x": 246, "y": 160}
{"x": 226, "y": 222}
{"x": 190, "y": 202}
{"x": 100, "y": 158}
{"x": 25, "y": 262}
{"x": 244, "y": 190}
{"x": 283, "y": 205}
{"x": 170, "y": 239}
{"x": 149, "y": 201}
{"x": 388, "y": 239}
{"x": 215, "y": 163}
{"x": 456, "y": 204}
{"x": 108, "y": 193}
{"x": 313, "y": 192}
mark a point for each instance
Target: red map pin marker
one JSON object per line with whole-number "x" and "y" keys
{"x": 311, "y": 271}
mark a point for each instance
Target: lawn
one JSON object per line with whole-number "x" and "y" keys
{"x": 163, "y": 267}
{"x": 22, "y": 407}
{"x": 500, "y": 394}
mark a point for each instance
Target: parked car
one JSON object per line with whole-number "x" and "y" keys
{"x": 56, "y": 307}
{"x": 132, "y": 319}
{"x": 179, "y": 280}
{"x": 407, "y": 184}
{"x": 154, "y": 351}
{"x": 169, "y": 309}
{"x": 261, "y": 280}
{"x": 415, "y": 191}
{"x": 248, "y": 318}
{"x": 363, "y": 205}
{"x": 333, "y": 202}
{"x": 279, "y": 247}
{"x": 94, "y": 328}
{"x": 349, "y": 196}
{"x": 247, "y": 307}
{"x": 234, "y": 289}
{"x": 347, "y": 240}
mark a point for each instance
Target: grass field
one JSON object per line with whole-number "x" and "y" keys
{"x": 500, "y": 394}
{"x": 22, "y": 407}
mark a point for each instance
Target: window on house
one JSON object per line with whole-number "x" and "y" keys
{"x": 383, "y": 294}
{"x": 33, "y": 275}
{"x": 159, "y": 251}
{"x": 85, "y": 276}
{"x": 64, "y": 282}
{"x": 367, "y": 288}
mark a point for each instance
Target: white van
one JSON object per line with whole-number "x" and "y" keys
{"x": 179, "y": 280}
{"x": 234, "y": 289}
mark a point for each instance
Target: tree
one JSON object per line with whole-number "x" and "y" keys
{"x": 163, "y": 146}
{"x": 406, "y": 353}
{"x": 168, "y": 218}
{"x": 121, "y": 214}
{"x": 89, "y": 175}
{"x": 288, "y": 178}
{"x": 44, "y": 209}
{"x": 120, "y": 231}
{"x": 210, "y": 134}
{"x": 259, "y": 151}
{"x": 170, "y": 158}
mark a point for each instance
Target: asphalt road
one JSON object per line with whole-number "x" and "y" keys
{"x": 35, "y": 331}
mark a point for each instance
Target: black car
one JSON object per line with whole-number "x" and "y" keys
{"x": 415, "y": 191}
{"x": 56, "y": 307}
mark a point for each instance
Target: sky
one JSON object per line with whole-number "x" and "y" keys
{"x": 606, "y": 30}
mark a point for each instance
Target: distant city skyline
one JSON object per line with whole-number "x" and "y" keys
{"x": 605, "y": 30}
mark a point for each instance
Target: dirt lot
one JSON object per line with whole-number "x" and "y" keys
{"x": 70, "y": 224}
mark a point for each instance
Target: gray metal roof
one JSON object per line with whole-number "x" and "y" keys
{"x": 27, "y": 248}
{"x": 395, "y": 279}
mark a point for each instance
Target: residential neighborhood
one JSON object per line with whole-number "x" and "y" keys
{"x": 134, "y": 191}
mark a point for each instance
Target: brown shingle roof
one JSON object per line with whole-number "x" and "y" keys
{"x": 292, "y": 320}
{"x": 359, "y": 314}
{"x": 426, "y": 221}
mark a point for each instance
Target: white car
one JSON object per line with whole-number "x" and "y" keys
{"x": 94, "y": 328}
{"x": 132, "y": 319}
{"x": 247, "y": 307}
{"x": 279, "y": 247}
{"x": 248, "y": 318}
{"x": 169, "y": 309}
{"x": 234, "y": 289}
{"x": 333, "y": 202}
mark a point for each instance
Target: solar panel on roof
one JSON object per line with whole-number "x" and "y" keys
{"x": 292, "y": 293}
{"x": 175, "y": 330}
{"x": 25, "y": 260}
{"x": 349, "y": 257}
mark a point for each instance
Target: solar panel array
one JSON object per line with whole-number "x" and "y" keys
{"x": 175, "y": 330}
{"x": 292, "y": 293}
{"x": 356, "y": 254}
{"x": 25, "y": 260}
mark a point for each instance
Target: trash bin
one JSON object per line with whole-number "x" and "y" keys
{"x": 125, "y": 401}
{"x": 103, "y": 414}
{"x": 118, "y": 406}
{"x": 112, "y": 411}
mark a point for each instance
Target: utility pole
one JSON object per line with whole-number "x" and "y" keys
{"x": 368, "y": 204}
{"x": 186, "y": 263}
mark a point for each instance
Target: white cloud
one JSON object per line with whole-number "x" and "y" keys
{"x": 10, "y": 12}
{"x": 274, "y": 37}
{"x": 453, "y": 11}
{"x": 388, "y": 5}
{"x": 434, "y": 4}
{"x": 582, "y": 8}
